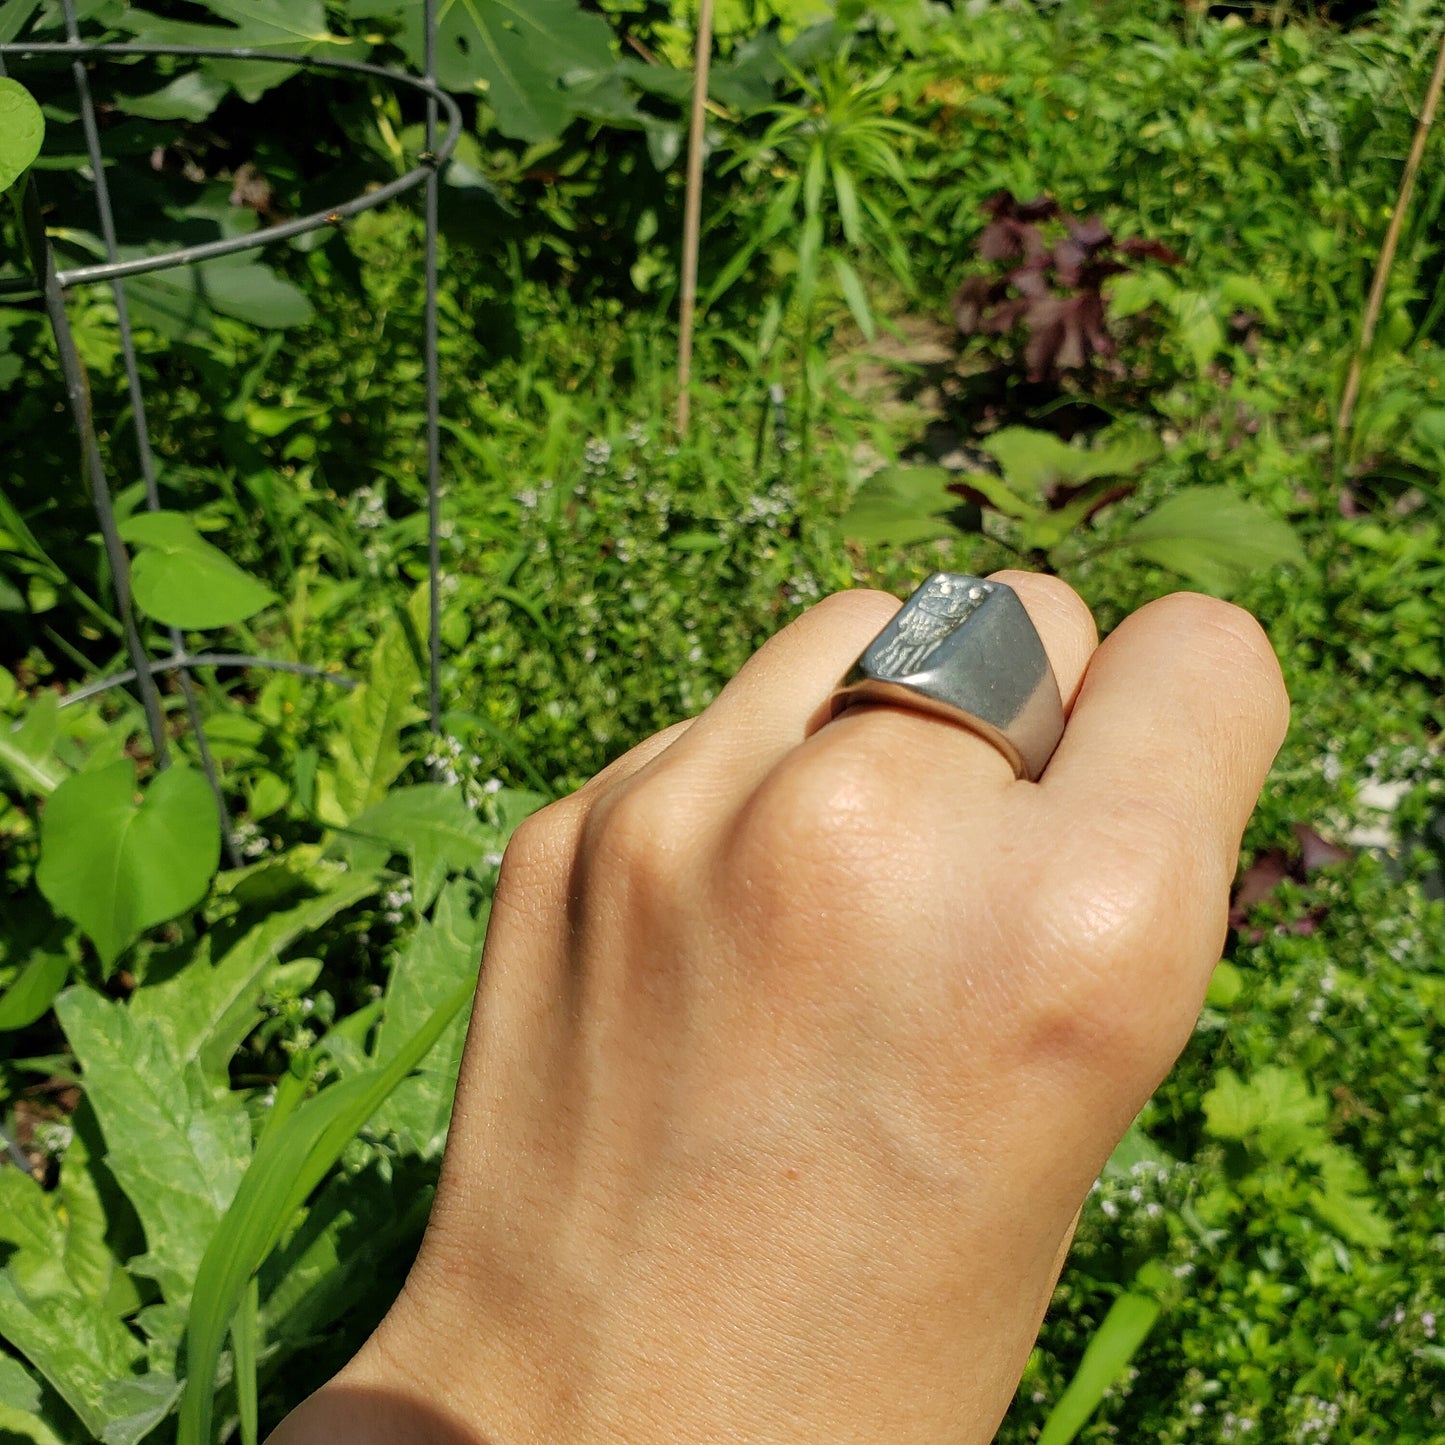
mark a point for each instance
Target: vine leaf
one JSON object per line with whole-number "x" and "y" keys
{"x": 182, "y": 580}
{"x": 116, "y": 861}
{"x": 521, "y": 52}
{"x": 22, "y": 129}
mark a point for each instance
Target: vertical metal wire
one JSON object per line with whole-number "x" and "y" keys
{"x": 433, "y": 387}
{"x": 139, "y": 418}
{"x": 77, "y": 389}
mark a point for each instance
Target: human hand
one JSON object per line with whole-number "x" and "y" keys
{"x": 798, "y": 1046}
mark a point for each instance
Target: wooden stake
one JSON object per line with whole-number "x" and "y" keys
{"x": 692, "y": 217}
{"x": 1392, "y": 241}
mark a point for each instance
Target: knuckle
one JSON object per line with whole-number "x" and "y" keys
{"x": 535, "y": 857}
{"x": 637, "y": 839}
{"x": 1109, "y": 989}
{"x": 863, "y": 608}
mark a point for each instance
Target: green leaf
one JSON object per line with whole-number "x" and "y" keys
{"x": 518, "y": 52}
{"x": 193, "y": 95}
{"x": 1214, "y": 537}
{"x": 181, "y": 303}
{"x": 1275, "y": 1110}
{"x": 367, "y": 750}
{"x": 854, "y": 294}
{"x": 34, "y": 990}
{"x": 1035, "y": 462}
{"x": 292, "y": 26}
{"x": 443, "y": 954}
{"x": 435, "y": 828}
{"x": 289, "y": 1163}
{"x": 899, "y": 505}
{"x": 182, "y": 580}
{"x": 25, "y": 751}
{"x": 206, "y": 1009}
{"x": 22, "y": 131}
{"x": 176, "y": 1147}
{"x": 116, "y": 862}
{"x": 20, "y": 1406}
{"x": 1117, "y": 1340}
{"x": 81, "y": 1351}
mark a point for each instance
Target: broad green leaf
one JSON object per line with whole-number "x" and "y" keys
{"x": 1034, "y": 462}
{"x": 176, "y": 1146}
{"x": 182, "y": 580}
{"x": 193, "y": 95}
{"x": 435, "y": 828}
{"x": 90, "y": 1262}
{"x": 206, "y": 1009}
{"x": 518, "y": 52}
{"x": 899, "y": 505}
{"x": 1200, "y": 331}
{"x": 81, "y": 1351}
{"x": 1214, "y": 537}
{"x": 21, "y": 1404}
{"x": 296, "y": 27}
{"x": 22, "y": 131}
{"x": 1115, "y": 1343}
{"x": 34, "y": 990}
{"x": 367, "y": 748}
{"x": 117, "y": 862}
{"x": 179, "y": 303}
{"x": 14, "y": 16}
{"x": 25, "y": 751}
{"x": 444, "y": 953}
{"x": 289, "y": 1163}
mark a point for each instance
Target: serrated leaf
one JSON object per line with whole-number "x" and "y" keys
{"x": 899, "y": 505}
{"x": 175, "y": 1146}
{"x": 295, "y": 27}
{"x": 180, "y": 579}
{"x": 117, "y": 862}
{"x": 20, "y": 1405}
{"x": 290, "y": 1161}
{"x": 1214, "y": 537}
{"x": 1275, "y": 1109}
{"x": 78, "y": 1349}
{"x": 443, "y": 954}
{"x": 22, "y": 131}
{"x": 518, "y": 52}
{"x": 207, "y": 1008}
{"x": 367, "y": 749}
{"x": 435, "y": 828}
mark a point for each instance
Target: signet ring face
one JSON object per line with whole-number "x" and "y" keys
{"x": 964, "y": 649}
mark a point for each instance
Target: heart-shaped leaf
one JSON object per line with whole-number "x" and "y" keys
{"x": 183, "y": 581}
{"x": 116, "y": 862}
{"x": 22, "y": 128}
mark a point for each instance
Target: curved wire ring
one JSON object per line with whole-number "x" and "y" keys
{"x": 267, "y": 235}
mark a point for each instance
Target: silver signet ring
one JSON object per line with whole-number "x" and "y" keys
{"x": 964, "y": 649}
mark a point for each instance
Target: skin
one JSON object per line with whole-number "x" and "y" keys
{"x": 798, "y": 1045}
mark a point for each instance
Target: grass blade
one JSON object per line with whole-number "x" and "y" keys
{"x": 1115, "y": 1343}
{"x": 289, "y": 1163}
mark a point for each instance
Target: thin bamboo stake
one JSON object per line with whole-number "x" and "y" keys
{"x": 692, "y": 217}
{"x": 1386, "y": 262}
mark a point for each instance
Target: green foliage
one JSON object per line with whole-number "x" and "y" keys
{"x": 22, "y": 131}
{"x": 182, "y": 580}
{"x": 117, "y": 861}
{"x": 267, "y": 1054}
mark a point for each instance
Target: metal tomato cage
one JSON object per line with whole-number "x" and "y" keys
{"x": 53, "y": 285}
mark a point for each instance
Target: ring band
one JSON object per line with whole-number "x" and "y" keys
{"x": 965, "y": 649}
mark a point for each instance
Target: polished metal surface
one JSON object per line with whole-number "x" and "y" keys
{"x": 964, "y": 649}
